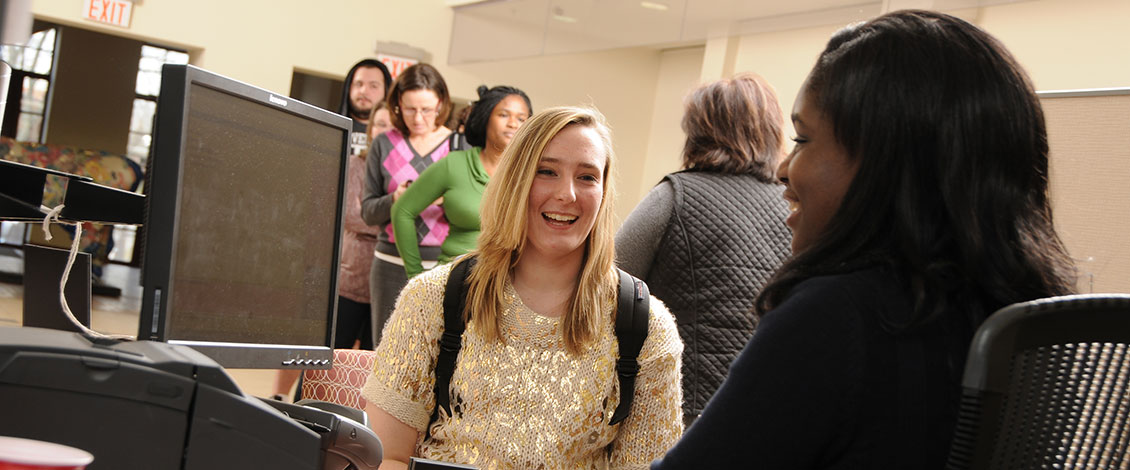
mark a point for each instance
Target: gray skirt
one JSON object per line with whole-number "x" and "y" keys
{"x": 385, "y": 282}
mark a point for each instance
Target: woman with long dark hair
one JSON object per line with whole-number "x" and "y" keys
{"x": 918, "y": 190}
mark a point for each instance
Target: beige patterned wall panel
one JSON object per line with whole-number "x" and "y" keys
{"x": 1089, "y": 136}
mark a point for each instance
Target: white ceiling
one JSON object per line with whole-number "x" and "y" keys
{"x": 486, "y": 30}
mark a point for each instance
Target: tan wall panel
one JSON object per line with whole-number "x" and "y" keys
{"x": 620, "y": 83}
{"x": 784, "y": 59}
{"x": 93, "y": 96}
{"x": 678, "y": 75}
{"x": 1090, "y": 185}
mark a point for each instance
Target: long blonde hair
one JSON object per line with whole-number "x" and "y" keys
{"x": 503, "y": 237}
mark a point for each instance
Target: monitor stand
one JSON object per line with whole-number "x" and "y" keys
{"x": 43, "y": 269}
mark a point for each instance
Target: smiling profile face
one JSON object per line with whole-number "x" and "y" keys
{"x": 566, "y": 194}
{"x": 816, "y": 174}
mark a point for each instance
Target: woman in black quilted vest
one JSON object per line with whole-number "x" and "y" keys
{"x": 919, "y": 196}
{"x": 707, "y": 238}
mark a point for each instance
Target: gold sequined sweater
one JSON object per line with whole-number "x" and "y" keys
{"x": 526, "y": 403}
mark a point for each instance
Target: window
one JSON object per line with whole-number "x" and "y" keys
{"x": 141, "y": 129}
{"x": 31, "y": 67}
{"x": 145, "y": 103}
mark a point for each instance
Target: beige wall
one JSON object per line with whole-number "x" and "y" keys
{"x": 620, "y": 83}
{"x": 262, "y": 42}
{"x": 678, "y": 75}
{"x": 784, "y": 59}
{"x": 1063, "y": 44}
{"x": 1066, "y": 44}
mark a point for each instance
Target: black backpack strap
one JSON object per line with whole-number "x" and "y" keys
{"x": 631, "y": 330}
{"x": 454, "y": 301}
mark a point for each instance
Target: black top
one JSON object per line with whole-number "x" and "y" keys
{"x": 822, "y": 385}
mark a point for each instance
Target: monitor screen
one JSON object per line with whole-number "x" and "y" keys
{"x": 243, "y": 223}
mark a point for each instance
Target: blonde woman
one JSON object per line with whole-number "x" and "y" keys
{"x": 535, "y": 382}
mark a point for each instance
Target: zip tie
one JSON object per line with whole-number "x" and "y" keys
{"x": 52, "y": 216}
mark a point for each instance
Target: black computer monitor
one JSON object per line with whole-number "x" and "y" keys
{"x": 245, "y": 198}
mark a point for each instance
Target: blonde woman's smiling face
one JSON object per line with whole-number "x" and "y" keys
{"x": 566, "y": 193}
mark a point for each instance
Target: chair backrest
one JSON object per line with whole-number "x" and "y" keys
{"x": 1047, "y": 385}
{"x": 342, "y": 383}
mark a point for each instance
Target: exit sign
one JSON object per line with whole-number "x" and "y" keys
{"x": 396, "y": 64}
{"x": 115, "y": 12}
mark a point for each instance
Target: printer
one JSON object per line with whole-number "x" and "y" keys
{"x": 152, "y": 405}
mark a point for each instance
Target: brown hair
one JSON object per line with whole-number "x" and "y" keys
{"x": 420, "y": 76}
{"x": 734, "y": 126}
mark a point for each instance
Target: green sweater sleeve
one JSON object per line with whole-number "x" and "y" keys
{"x": 431, "y": 185}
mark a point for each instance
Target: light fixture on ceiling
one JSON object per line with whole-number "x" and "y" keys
{"x": 559, "y": 15}
{"x": 654, "y": 5}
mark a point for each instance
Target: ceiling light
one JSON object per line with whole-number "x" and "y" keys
{"x": 654, "y": 5}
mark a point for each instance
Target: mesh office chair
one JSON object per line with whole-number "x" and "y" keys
{"x": 1047, "y": 385}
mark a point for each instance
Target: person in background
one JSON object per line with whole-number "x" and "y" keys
{"x": 379, "y": 122}
{"x": 535, "y": 382}
{"x": 707, "y": 238}
{"x": 461, "y": 119}
{"x": 919, "y": 196}
{"x": 358, "y": 241}
{"x": 460, "y": 178}
{"x": 365, "y": 86}
{"x": 419, "y": 102}
{"x": 457, "y": 122}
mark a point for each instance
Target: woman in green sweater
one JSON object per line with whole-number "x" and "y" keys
{"x": 457, "y": 182}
